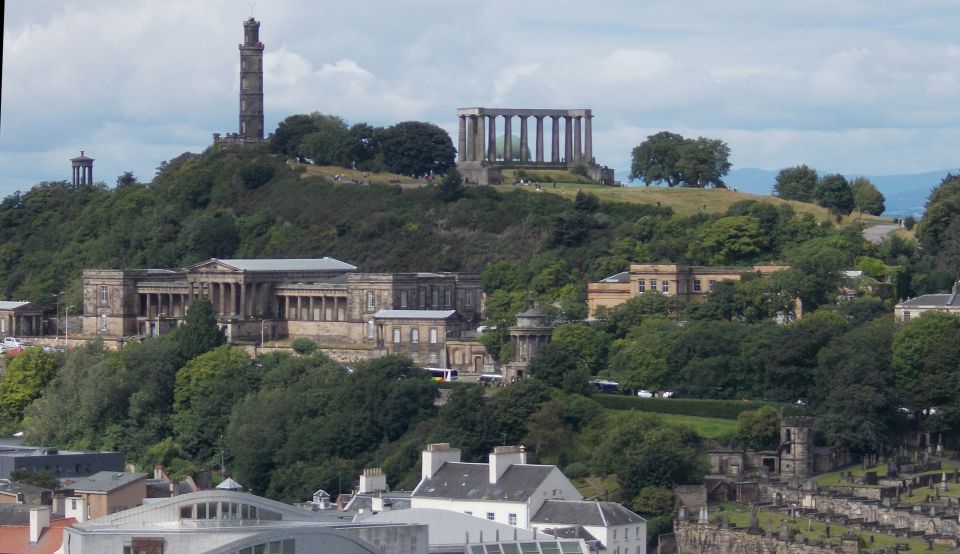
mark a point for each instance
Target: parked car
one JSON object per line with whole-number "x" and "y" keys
{"x": 490, "y": 379}
{"x": 13, "y": 345}
{"x": 666, "y": 394}
{"x": 644, "y": 393}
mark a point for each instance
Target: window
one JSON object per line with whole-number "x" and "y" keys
{"x": 638, "y": 535}
{"x": 614, "y": 534}
{"x": 447, "y": 296}
{"x": 371, "y": 330}
{"x": 490, "y": 516}
{"x": 103, "y": 321}
{"x": 415, "y": 356}
{"x": 433, "y": 336}
{"x": 665, "y": 286}
{"x": 711, "y": 283}
{"x": 434, "y": 297}
{"x": 653, "y": 285}
{"x": 103, "y": 293}
{"x": 906, "y": 316}
{"x": 403, "y": 299}
{"x": 415, "y": 335}
{"x": 396, "y": 335}
{"x": 512, "y": 519}
{"x": 423, "y": 297}
{"x": 468, "y": 297}
{"x": 433, "y": 358}
{"x": 371, "y": 299}
{"x": 696, "y": 285}
{"x": 641, "y": 286}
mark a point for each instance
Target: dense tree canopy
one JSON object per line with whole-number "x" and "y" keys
{"x": 833, "y": 192}
{"x": 796, "y": 183}
{"x": 866, "y": 197}
{"x": 671, "y": 159}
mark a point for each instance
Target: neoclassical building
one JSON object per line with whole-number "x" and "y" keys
{"x": 915, "y": 307}
{"x": 680, "y": 280}
{"x": 428, "y": 315}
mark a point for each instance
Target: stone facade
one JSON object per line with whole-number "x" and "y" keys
{"x": 679, "y": 280}
{"x": 481, "y": 161}
{"x": 20, "y": 319}
{"x": 324, "y": 300}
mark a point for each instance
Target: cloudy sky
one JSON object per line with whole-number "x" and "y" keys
{"x": 857, "y": 86}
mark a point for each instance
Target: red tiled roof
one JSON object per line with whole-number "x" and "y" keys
{"x": 15, "y": 539}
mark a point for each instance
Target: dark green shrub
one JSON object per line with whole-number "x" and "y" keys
{"x": 303, "y": 346}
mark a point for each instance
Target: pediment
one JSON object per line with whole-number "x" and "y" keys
{"x": 212, "y": 266}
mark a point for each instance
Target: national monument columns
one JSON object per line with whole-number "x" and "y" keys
{"x": 483, "y": 152}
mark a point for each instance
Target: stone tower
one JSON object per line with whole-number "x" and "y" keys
{"x": 251, "y": 82}
{"x": 528, "y": 338}
{"x": 796, "y": 447}
{"x": 82, "y": 170}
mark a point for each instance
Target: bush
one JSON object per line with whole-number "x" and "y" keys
{"x": 256, "y": 175}
{"x": 303, "y": 346}
{"x": 722, "y": 409}
{"x": 575, "y": 470}
{"x": 909, "y": 222}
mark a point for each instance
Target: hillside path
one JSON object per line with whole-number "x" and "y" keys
{"x": 878, "y": 233}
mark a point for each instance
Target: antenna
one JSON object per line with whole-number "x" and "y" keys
{"x": 251, "y": 2}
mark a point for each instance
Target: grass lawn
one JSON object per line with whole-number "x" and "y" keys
{"x": 740, "y": 515}
{"x": 832, "y": 479}
{"x": 706, "y": 427}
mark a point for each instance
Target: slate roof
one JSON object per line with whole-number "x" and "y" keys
{"x": 103, "y": 481}
{"x": 285, "y": 264}
{"x": 465, "y": 481}
{"x": 415, "y": 314}
{"x": 229, "y": 484}
{"x": 12, "y": 304}
{"x": 396, "y": 501}
{"x": 584, "y": 512}
{"x": 622, "y": 277}
{"x": 937, "y": 300}
{"x": 575, "y": 532}
{"x": 11, "y": 488}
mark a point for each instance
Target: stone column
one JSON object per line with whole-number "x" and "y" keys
{"x": 243, "y": 301}
{"x": 299, "y": 307}
{"x": 524, "y": 150}
{"x": 471, "y": 137}
{"x": 539, "y": 154}
{"x": 507, "y": 139}
{"x": 147, "y": 299}
{"x": 577, "y": 152}
{"x": 555, "y": 139}
{"x": 323, "y": 308}
{"x": 462, "y": 138}
{"x": 588, "y": 138}
{"x": 492, "y": 139}
{"x": 481, "y": 151}
{"x": 567, "y": 140}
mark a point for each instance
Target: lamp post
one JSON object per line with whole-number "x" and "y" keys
{"x": 66, "y": 328}
{"x": 159, "y": 316}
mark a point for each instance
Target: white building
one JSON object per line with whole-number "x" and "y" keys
{"x": 617, "y": 529}
{"x": 507, "y": 489}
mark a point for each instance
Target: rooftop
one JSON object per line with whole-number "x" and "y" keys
{"x": 466, "y": 481}
{"x": 104, "y": 481}
{"x": 585, "y": 512}
{"x": 932, "y": 300}
{"x": 283, "y": 264}
{"x": 415, "y": 314}
{"x": 12, "y": 304}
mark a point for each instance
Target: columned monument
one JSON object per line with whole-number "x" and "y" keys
{"x": 82, "y": 170}
{"x": 251, "y": 88}
{"x": 483, "y": 154}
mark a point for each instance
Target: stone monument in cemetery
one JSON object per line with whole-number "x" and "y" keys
{"x": 483, "y": 154}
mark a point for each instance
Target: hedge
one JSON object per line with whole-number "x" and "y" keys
{"x": 722, "y": 409}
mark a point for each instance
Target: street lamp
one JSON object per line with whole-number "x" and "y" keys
{"x": 66, "y": 328}
{"x": 159, "y": 316}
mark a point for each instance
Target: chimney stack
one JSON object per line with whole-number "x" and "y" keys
{"x": 372, "y": 480}
{"x": 39, "y": 520}
{"x": 503, "y": 457}
{"x": 435, "y": 456}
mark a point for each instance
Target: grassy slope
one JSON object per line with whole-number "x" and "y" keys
{"x": 683, "y": 201}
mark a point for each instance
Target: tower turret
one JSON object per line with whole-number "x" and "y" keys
{"x": 251, "y": 81}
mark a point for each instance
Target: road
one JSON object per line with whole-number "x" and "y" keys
{"x": 878, "y": 233}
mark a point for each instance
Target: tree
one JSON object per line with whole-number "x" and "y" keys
{"x": 704, "y": 162}
{"x": 796, "y": 183}
{"x": 199, "y": 332}
{"x": 330, "y": 143}
{"x": 417, "y": 148}
{"x": 669, "y": 158}
{"x": 290, "y": 133}
{"x": 24, "y": 380}
{"x": 833, "y": 192}
{"x": 729, "y": 240}
{"x": 759, "y": 429}
{"x": 655, "y": 159}
{"x": 303, "y": 346}
{"x": 206, "y": 390}
{"x": 926, "y": 351}
{"x": 451, "y": 186}
{"x": 866, "y": 197}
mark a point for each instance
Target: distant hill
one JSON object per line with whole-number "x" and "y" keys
{"x": 905, "y": 194}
